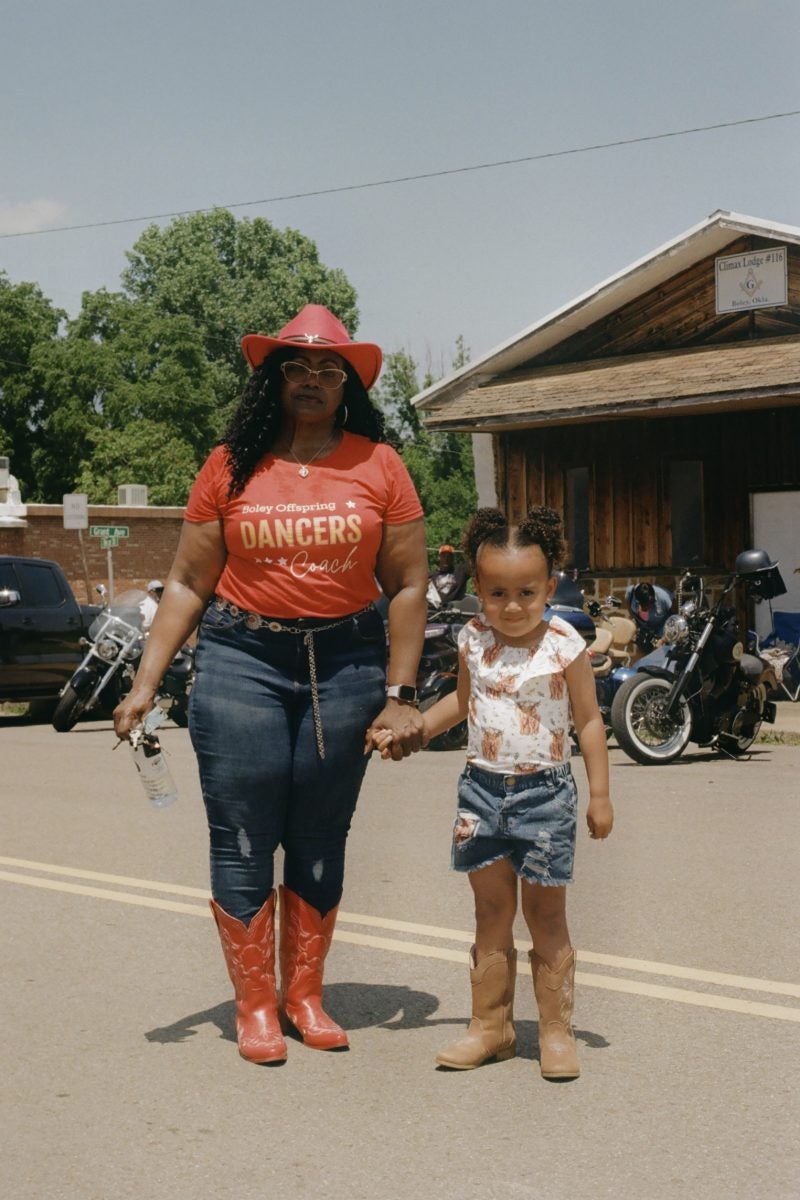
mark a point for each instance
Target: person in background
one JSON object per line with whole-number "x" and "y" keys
{"x": 448, "y": 581}
{"x": 294, "y": 524}
{"x": 649, "y": 606}
{"x": 149, "y": 605}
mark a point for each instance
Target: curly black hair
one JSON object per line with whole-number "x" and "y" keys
{"x": 540, "y": 527}
{"x": 254, "y": 427}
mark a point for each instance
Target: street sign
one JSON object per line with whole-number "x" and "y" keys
{"x": 76, "y": 510}
{"x": 106, "y": 531}
{"x": 108, "y": 543}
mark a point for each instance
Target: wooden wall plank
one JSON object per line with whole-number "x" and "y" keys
{"x": 629, "y": 472}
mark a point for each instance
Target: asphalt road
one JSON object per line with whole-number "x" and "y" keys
{"x": 121, "y": 1076}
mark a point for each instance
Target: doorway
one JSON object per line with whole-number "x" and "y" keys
{"x": 776, "y": 529}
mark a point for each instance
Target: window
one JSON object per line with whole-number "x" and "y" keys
{"x": 8, "y": 577}
{"x": 687, "y": 510}
{"x": 40, "y": 587}
{"x": 577, "y": 515}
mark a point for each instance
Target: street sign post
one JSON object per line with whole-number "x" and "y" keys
{"x": 76, "y": 516}
{"x": 109, "y": 538}
{"x": 115, "y": 531}
{"x": 76, "y": 510}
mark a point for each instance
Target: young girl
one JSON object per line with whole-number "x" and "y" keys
{"x": 520, "y": 677}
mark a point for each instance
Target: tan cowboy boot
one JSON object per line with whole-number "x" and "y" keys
{"x": 250, "y": 957}
{"x": 491, "y": 1030}
{"x": 305, "y": 940}
{"x": 554, "y": 991}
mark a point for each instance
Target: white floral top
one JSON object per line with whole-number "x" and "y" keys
{"x": 518, "y": 705}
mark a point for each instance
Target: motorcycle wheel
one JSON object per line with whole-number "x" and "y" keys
{"x": 641, "y": 726}
{"x": 69, "y": 710}
{"x": 451, "y": 739}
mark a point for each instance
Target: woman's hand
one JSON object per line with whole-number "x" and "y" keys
{"x": 132, "y": 711}
{"x": 404, "y": 723}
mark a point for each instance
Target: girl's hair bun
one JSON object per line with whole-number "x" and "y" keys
{"x": 540, "y": 526}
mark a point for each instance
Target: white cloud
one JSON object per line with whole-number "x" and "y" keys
{"x": 28, "y": 216}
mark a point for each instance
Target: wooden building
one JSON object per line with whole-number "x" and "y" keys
{"x": 660, "y": 411}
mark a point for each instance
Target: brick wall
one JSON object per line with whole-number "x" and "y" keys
{"x": 146, "y": 554}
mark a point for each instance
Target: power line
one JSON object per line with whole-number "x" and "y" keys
{"x": 377, "y": 183}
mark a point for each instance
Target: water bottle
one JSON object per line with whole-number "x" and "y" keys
{"x": 151, "y": 763}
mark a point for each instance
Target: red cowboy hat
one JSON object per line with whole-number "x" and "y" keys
{"x": 316, "y": 326}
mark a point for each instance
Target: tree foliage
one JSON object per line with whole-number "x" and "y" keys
{"x": 233, "y": 276}
{"x": 138, "y": 387}
{"x": 28, "y": 323}
{"x": 441, "y": 464}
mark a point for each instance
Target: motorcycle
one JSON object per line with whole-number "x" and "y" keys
{"x": 438, "y": 668}
{"x": 708, "y": 690}
{"x": 105, "y": 674}
{"x": 609, "y": 638}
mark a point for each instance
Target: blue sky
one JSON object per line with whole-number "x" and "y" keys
{"x": 111, "y": 110}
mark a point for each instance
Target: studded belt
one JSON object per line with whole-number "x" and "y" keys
{"x": 307, "y": 626}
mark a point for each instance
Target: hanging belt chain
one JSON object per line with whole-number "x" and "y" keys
{"x": 255, "y": 621}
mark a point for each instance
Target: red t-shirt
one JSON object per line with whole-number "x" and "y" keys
{"x": 306, "y": 547}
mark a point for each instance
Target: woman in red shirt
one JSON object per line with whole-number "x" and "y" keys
{"x": 292, "y": 523}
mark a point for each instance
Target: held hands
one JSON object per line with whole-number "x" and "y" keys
{"x": 380, "y": 740}
{"x": 396, "y": 732}
{"x": 599, "y": 817}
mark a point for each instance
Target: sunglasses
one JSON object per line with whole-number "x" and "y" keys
{"x": 326, "y": 377}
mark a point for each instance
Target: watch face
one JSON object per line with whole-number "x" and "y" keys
{"x": 402, "y": 691}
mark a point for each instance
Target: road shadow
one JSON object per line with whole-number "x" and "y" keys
{"x": 365, "y": 1006}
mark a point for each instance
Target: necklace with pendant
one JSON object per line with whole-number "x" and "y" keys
{"x": 304, "y": 471}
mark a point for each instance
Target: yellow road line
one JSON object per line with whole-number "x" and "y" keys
{"x": 631, "y": 986}
{"x": 172, "y": 889}
{"x": 78, "y": 889}
{"x": 416, "y": 949}
{"x": 742, "y": 982}
{"x": 643, "y": 966}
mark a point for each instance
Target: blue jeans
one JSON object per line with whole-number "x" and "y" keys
{"x": 264, "y": 783}
{"x": 529, "y": 819}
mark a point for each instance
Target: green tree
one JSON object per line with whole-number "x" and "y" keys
{"x": 93, "y": 402}
{"x": 28, "y": 321}
{"x": 233, "y": 276}
{"x": 398, "y": 383}
{"x": 143, "y": 451}
{"x": 441, "y": 465}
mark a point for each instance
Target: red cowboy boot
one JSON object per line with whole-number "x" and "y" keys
{"x": 250, "y": 957}
{"x": 305, "y": 940}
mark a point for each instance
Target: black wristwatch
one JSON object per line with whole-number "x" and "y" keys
{"x": 402, "y": 692}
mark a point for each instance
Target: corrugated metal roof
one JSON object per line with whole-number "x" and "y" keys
{"x": 741, "y": 375}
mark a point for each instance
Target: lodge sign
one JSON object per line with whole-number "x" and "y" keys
{"x": 757, "y": 279}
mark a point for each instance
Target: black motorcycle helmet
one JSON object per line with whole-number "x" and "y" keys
{"x": 761, "y": 575}
{"x": 750, "y": 561}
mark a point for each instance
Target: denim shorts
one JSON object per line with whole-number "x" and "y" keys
{"x": 529, "y": 819}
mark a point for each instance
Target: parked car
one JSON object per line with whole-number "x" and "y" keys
{"x": 41, "y": 626}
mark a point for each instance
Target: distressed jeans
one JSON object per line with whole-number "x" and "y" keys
{"x": 264, "y": 783}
